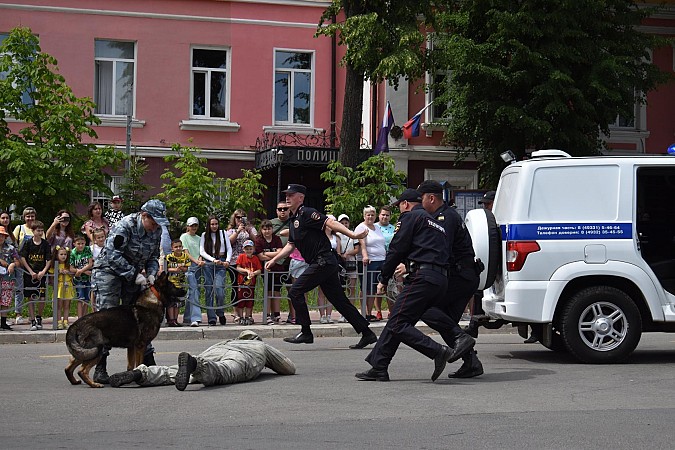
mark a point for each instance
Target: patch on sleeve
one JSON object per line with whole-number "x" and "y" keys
{"x": 118, "y": 242}
{"x": 296, "y": 223}
{"x": 441, "y": 218}
{"x": 398, "y": 225}
{"x": 315, "y": 216}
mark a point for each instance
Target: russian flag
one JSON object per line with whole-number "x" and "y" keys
{"x": 382, "y": 144}
{"x": 412, "y": 127}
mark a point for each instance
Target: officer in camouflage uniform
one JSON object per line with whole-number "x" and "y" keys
{"x": 131, "y": 248}
{"x": 227, "y": 362}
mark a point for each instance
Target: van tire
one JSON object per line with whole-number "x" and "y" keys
{"x": 611, "y": 321}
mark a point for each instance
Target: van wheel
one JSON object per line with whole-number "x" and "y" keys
{"x": 601, "y": 324}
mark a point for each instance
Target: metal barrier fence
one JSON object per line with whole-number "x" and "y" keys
{"x": 274, "y": 285}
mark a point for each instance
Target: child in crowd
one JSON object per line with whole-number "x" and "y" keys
{"x": 96, "y": 247}
{"x": 65, "y": 290}
{"x": 99, "y": 242}
{"x": 36, "y": 260}
{"x": 9, "y": 261}
{"x": 249, "y": 267}
{"x": 82, "y": 260}
{"x": 177, "y": 263}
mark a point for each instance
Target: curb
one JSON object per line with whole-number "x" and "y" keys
{"x": 227, "y": 332}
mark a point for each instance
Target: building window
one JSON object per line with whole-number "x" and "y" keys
{"x": 437, "y": 85}
{"x": 209, "y": 83}
{"x": 114, "y": 77}
{"x": 292, "y": 87}
{"x": 115, "y": 184}
{"x": 25, "y": 95}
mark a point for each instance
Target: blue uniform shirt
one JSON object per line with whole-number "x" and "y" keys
{"x": 130, "y": 248}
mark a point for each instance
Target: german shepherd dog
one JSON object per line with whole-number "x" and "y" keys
{"x": 127, "y": 326}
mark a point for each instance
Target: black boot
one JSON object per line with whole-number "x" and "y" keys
{"x": 101, "y": 373}
{"x": 3, "y": 324}
{"x": 472, "y": 367}
{"x": 122, "y": 378}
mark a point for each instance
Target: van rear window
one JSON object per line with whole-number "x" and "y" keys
{"x": 508, "y": 188}
{"x": 575, "y": 193}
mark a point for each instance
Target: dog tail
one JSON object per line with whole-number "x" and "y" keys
{"x": 75, "y": 347}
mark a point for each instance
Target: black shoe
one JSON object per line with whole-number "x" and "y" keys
{"x": 472, "y": 367}
{"x": 301, "y": 338}
{"x": 373, "y": 375}
{"x": 212, "y": 323}
{"x": 187, "y": 364}
{"x": 222, "y": 320}
{"x": 122, "y": 378}
{"x": 440, "y": 361}
{"x": 4, "y": 326}
{"x": 101, "y": 376}
{"x": 463, "y": 344}
{"x": 367, "y": 338}
{"x": 531, "y": 340}
{"x": 472, "y": 329}
{"x": 149, "y": 359}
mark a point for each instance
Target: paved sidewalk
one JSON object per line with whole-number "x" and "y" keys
{"x": 21, "y": 334}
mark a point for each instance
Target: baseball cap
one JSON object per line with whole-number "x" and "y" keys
{"x": 410, "y": 195}
{"x": 342, "y": 216}
{"x": 192, "y": 221}
{"x": 430, "y": 187}
{"x": 116, "y": 198}
{"x": 488, "y": 197}
{"x": 295, "y": 188}
{"x": 157, "y": 211}
{"x": 248, "y": 243}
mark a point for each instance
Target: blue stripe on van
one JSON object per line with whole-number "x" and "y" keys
{"x": 558, "y": 231}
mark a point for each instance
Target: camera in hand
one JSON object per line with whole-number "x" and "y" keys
{"x": 244, "y": 220}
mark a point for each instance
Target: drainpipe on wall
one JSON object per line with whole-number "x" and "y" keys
{"x": 333, "y": 89}
{"x": 373, "y": 119}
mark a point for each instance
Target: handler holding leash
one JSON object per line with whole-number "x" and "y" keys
{"x": 307, "y": 232}
{"x": 420, "y": 242}
{"x": 131, "y": 247}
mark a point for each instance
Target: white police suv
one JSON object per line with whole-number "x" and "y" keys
{"x": 588, "y": 251}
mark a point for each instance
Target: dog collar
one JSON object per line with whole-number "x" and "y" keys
{"x": 155, "y": 292}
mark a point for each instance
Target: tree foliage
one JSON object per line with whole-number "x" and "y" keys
{"x": 244, "y": 193}
{"x": 374, "y": 182}
{"x": 539, "y": 74}
{"x": 133, "y": 188}
{"x": 45, "y": 163}
{"x": 383, "y": 40}
{"x": 189, "y": 190}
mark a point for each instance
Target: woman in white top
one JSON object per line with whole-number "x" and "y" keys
{"x": 215, "y": 249}
{"x": 325, "y": 307}
{"x": 373, "y": 253}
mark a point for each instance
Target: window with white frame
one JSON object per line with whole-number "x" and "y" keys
{"x": 293, "y": 87}
{"x": 209, "y": 83}
{"x": 115, "y": 184}
{"x": 114, "y": 74}
{"x": 25, "y": 96}
{"x": 437, "y": 85}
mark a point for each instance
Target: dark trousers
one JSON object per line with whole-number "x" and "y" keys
{"x": 461, "y": 286}
{"x": 325, "y": 276}
{"x": 419, "y": 294}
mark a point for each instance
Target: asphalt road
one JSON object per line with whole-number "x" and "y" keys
{"x": 529, "y": 397}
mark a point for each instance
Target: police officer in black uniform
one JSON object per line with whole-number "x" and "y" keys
{"x": 463, "y": 273}
{"x": 307, "y": 227}
{"x": 420, "y": 242}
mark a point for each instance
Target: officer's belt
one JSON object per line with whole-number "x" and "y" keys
{"x": 414, "y": 267}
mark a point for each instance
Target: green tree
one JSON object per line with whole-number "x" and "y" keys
{"x": 189, "y": 190}
{"x": 45, "y": 163}
{"x": 244, "y": 193}
{"x": 374, "y": 182}
{"x": 133, "y": 189}
{"x": 539, "y": 74}
{"x": 384, "y": 40}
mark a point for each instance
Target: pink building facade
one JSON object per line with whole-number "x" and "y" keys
{"x": 239, "y": 78}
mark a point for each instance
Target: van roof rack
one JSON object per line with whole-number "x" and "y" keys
{"x": 550, "y": 153}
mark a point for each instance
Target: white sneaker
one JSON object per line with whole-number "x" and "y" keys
{"x": 342, "y": 319}
{"x": 33, "y": 325}
{"x": 329, "y": 320}
{"x": 323, "y": 319}
{"x": 19, "y": 320}
{"x": 194, "y": 324}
